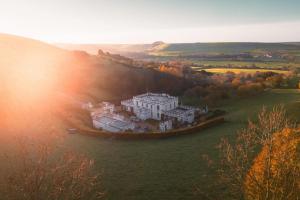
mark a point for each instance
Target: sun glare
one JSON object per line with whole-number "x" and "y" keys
{"x": 28, "y": 75}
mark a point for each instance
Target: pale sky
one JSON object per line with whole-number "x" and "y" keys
{"x": 146, "y": 21}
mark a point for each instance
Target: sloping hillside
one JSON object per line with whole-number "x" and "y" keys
{"x": 15, "y": 45}
{"x": 37, "y": 78}
{"x": 112, "y": 48}
{"x": 227, "y": 47}
{"x": 123, "y": 49}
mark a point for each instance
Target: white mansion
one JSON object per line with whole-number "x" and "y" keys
{"x": 150, "y": 105}
{"x": 161, "y": 107}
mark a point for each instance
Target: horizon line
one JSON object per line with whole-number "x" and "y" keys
{"x": 88, "y": 43}
{"x": 146, "y": 43}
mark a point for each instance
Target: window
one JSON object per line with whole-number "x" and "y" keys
{"x": 157, "y": 115}
{"x": 157, "y": 107}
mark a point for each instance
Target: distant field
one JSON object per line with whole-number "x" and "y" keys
{"x": 237, "y": 70}
{"x": 170, "y": 169}
{"x": 244, "y": 64}
{"x": 229, "y": 48}
{"x": 213, "y": 49}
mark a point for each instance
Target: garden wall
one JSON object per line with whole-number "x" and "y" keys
{"x": 154, "y": 135}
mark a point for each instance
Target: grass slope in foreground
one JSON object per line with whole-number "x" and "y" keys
{"x": 171, "y": 168}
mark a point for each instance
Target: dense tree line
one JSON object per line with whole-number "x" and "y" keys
{"x": 212, "y": 88}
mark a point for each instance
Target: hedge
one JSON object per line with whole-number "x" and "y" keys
{"x": 154, "y": 135}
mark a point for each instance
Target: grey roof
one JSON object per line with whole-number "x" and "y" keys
{"x": 178, "y": 111}
{"x": 115, "y": 123}
{"x": 154, "y": 98}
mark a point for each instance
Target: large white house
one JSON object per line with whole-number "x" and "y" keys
{"x": 150, "y": 105}
{"x": 161, "y": 107}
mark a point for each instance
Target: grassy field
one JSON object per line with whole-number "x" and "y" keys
{"x": 171, "y": 168}
{"x": 246, "y": 63}
{"x": 237, "y": 70}
{"x": 229, "y": 47}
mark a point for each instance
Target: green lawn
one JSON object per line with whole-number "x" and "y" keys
{"x": 171, "y": 168}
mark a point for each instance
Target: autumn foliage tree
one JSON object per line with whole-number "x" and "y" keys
{"x": 274, "y": 172}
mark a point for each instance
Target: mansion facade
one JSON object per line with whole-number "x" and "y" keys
{"x": 162, "y": 108}
{"x": 150, "y": 105}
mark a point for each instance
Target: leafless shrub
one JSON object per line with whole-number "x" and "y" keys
{"x": 40, "y": 170}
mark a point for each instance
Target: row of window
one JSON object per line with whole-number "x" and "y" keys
{"x": 158, "y": 107}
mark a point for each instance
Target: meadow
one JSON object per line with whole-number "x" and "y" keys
{"x": 172, "y": 168}
{"x": 244, "y": 64}
{"x": 240, "y": 70}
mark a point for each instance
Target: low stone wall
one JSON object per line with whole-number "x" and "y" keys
{"x": 155, "y": 135}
